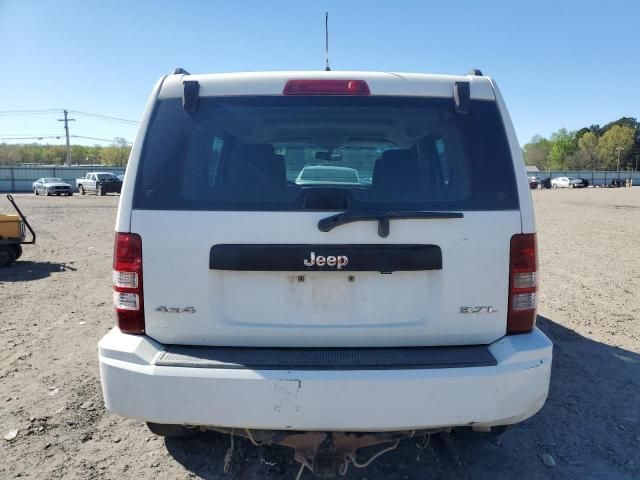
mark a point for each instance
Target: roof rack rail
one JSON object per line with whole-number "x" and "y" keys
{"x": 475, "y": 72}
{"x": 180, "y": 71}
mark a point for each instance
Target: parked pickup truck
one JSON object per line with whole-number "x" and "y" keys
{"x": 99, "y": 182}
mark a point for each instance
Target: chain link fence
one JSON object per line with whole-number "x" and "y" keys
{"x": 597, "y": 178}
{"x": 17, "y": 179}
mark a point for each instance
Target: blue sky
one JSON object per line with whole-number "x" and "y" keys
{"x": 558, "y": 63}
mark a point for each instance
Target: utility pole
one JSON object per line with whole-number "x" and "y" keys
{"x": 66, "y": 121}
{"x": 619, "y": 149}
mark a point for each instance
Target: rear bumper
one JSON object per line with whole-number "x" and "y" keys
{"x": 363, "y": 400}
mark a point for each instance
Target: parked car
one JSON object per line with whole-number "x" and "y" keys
{"x": 51, "y": 186}
{"x": 533, "y": 182}
{"x": 99, "y": 182}
{"x": 567, "y": 182}
{"x": 617, "y": 182}
{"x": 255, "y": 307}
{"x": 546, "y": 182}
{"x": 578, "y": 182}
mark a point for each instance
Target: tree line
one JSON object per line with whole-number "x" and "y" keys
{"x": 115, "y": 154}
{"x": 592, "y": 148}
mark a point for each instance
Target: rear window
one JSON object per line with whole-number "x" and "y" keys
{"x": 106, "y": 176}
{"x": 325, "y": 153}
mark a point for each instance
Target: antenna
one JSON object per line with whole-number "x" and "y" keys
{"x": 326, "y": 41}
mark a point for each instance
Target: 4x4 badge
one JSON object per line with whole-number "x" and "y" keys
{"x": 339, "y": 261}
{"x": 175, "y": 309}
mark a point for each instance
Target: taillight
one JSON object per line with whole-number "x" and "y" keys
{"x": 326, "y": 87}
{"x": 127, "y": 282}
{"x": 523, "y": 283}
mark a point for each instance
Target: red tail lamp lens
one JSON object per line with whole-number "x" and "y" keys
{"x": 127, "y": 282}
{"x": 326, "y": 87}
{"x": 523, "y": 284}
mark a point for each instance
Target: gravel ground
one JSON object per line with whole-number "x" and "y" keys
{"x": 56, "y": 303}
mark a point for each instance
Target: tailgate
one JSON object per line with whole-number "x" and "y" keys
{"x": 331, "y": 307}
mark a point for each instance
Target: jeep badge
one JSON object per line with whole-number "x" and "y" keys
{"x": 331, "y": 261}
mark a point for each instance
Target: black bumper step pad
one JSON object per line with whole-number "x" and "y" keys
{"x": 327, "y": 358}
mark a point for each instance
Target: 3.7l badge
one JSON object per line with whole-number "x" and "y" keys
{"x": 478, "y": 309}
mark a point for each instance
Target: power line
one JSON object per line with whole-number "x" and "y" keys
{"x": 105, "y": 117}
{"x": 104, "y": 133}
{"x": 66, "y": 121}
{"x": 109, "y": 132}
{"x": 76, "y": 112}
{"x": 30, "y": 112}
{"x": 94, "y": 138}
{"x": 38, "y": 137}
{"x": 53, "y": 135}
{"x": 29, "y": 135}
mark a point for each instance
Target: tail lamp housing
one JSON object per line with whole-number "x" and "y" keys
{"x": 127, "y": 282}
{"x": 523, "y": 283}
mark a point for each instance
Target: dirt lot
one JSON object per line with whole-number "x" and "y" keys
{"x": 56, "y": 303}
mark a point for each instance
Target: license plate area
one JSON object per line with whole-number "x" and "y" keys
{"x": 315, "y": 299}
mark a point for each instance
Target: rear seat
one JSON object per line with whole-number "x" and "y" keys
{"x": 397, "y": 171}
{"x": 258, "y": 172}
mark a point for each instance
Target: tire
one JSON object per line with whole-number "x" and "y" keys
{"x": 70, "y": 194}
{"x": 35, "y": 192}
{"x": 7, "y": 255}
{"x": 169, "y": 430}
{"x": 18, "y": 250}
{"x": 81, "y": 189}
{"x": 100, "y": 191}
{"x": 555, "y": 185}
{"x": 571, "y": 185}
{"x": 46, "y": 192}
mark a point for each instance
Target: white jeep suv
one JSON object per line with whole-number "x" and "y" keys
{"x": 307, "y": 313}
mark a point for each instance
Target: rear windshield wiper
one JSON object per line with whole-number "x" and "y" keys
{"x": 329, "y": 223}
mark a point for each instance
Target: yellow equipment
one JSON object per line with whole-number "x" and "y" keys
{"x": 9, "y": 226}
{"x": 13, "y": 235}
